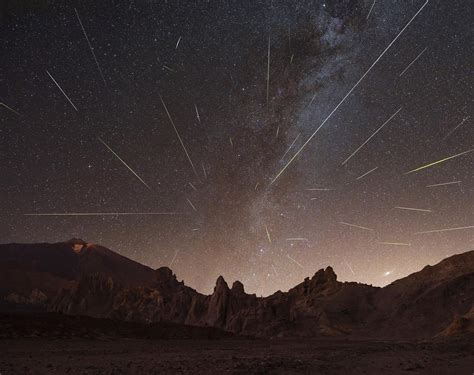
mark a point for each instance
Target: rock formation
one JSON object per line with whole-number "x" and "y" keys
{"x": 94, "y": 281}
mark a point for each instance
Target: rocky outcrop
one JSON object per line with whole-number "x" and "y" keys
{"x": 224, "y": 306}
{"x": 102, "y": 284}
{"x": 217, "y": 310}
{"x": 425, "y": 302}
{"x": 461, "y": 325}
{"x": 36, "y": 297}
{"x": 162, "y": 299}
{"x": 54, "y": 269}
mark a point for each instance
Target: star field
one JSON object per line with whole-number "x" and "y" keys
{"x": 188, "y": 130}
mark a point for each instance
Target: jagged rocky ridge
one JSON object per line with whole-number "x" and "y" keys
{"x": 84, "y": 279}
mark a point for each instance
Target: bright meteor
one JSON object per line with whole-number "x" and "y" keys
{"x": 90, "y": 47}
{"x": 445, "y": 230}
{"x": 103, "y": 214}
{"x": 444, "y": 184}
{"x": 366, "y": 173}
{"x": 179, "y": 137}
{"x": 413, "y": 209}
{"x": 348, "y": 93}
{"x": 439, "y": 161}
{"x": 10, "y": 109}
{"x": 123, "y": 162}
{"x": 59, "y": 87}
{"x": 373, "y": 134}
{"x": 355, "y": 226}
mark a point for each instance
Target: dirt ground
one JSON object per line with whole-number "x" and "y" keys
{"x": 233, "y": 356}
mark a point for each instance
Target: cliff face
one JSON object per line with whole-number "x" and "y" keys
{"x": 461, "y": 325}
{"x": 423, "y": 303}
{"x": 103, "y": 284}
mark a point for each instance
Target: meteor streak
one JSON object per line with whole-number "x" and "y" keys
{"x": 457, "y": 126}
{"x": 445, "y": 230}
{"x": 318, "y": 189}
{"x": 289, "y": 148}
{"x": 288, "y": 255}
{"x": 179, "y": 137}
{"x": 289, "y": 38}
{"x": 366, "y": 173}
{"x": 191, "y": 204}
{"x": 373, "y": 134}
{"x": 395, "y": 243}
{"x": 355, "y": 226}
{"x": 439, "y": 161}
{"x": 268, "y": 234}
{"x": 413, "y": 209}
{"x": 197, "y": 113}
{"x": 274, "y": 270}
{"x": 177, "y": 43}
{"x": 370, "y": 10}
{"x": 169, "y": 69}
{"x": 175, "y": 255}
{"x": 312, "y": 100}
{"x": 103, "y": 214}
{"x": 444, "y": 184}
{"x": 349, "y": 92}
{"x": 349, "y": 266}
{"x": 10, "y": 109}
{"x": 416, "y": 58}
{"x": 268, "y": 69}
{"x": 90, "y": 47}
{"x": 123, "y": 162}
{"x": 59, "y": 87}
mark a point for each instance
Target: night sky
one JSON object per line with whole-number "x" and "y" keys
{"x": 246, "y": 84}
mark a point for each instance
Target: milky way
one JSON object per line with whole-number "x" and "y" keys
{"x": 205, "y": 104}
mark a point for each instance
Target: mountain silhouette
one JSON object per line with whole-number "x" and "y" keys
{"x": 78, "y": 278}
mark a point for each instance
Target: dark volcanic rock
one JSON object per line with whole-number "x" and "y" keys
{"x": 217, "y": 310}
{"x": 237, "y": 288}
{"x": 461, "y": 325}
{"x": 84, "y": 279}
